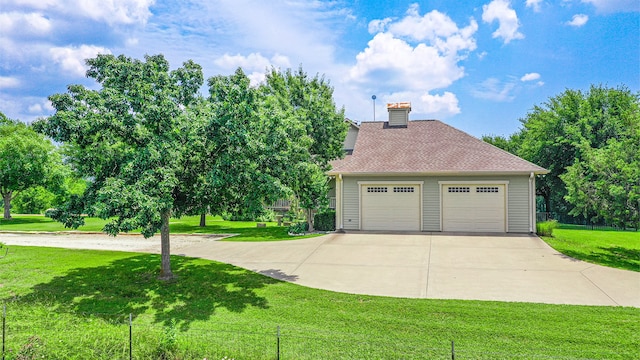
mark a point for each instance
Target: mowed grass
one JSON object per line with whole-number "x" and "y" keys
{"x": 618, "y": 249}
{"x": 75, "y": 304}
{"x": 243, "y": 230}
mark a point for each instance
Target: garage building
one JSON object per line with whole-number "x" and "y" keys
{"x": 424, "y": 175}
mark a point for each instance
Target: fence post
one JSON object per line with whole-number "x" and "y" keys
{"x": 453, "y": 351}
{"x": 4, "y": 316}
{"x": 278, "y": 343}
{"x": 130, "y": 339}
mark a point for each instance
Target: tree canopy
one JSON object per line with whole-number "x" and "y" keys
{"x": 309, "y": 101}
{"x": 27, "y": 160}
{"x": 587, "y": 141}
{"x": 129, "y": 137}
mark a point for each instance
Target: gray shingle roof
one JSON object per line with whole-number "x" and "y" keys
{"x": 427, "y": 147}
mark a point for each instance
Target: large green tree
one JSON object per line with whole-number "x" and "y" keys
{"x": 566, "y": 130}
{"x": 309, "y": 102}
{"x": 604, "y": 184}
{"x": 27, "y": 160}
{"x": 129, "y": 138}
{"x": 242, "y": 151}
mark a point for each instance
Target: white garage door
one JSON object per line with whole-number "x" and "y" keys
{"x": 473, "y": 208}
{"x": 390, "y": 207}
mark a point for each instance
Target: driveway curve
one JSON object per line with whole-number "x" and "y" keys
{"x": 418, "y": 265}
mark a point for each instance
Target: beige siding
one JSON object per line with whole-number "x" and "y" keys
{"x": 351, "y": 204}
{"x": 518, "y": 203}
{"x": 398, "y": 117}
{"x": 517, "y": 199}
{"x": 350, "y": 140}
{"x": 431, "y": 206}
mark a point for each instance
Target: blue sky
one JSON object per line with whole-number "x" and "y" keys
{"x": 477, "y": 65}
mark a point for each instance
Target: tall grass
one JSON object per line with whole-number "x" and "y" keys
{"x": 545, "y": 228}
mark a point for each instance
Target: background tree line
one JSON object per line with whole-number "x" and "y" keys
{"x": 590, "y": 143}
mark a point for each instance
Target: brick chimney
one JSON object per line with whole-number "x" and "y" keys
{"x": 399, "y": 113}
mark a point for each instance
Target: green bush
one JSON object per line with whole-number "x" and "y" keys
{"x": 267, "y": 215}
{"x": 34, "y": 200}
{"x": 325, "y": 221}
{"x": 298, "y": 228}
{"x": 545, "y": 228}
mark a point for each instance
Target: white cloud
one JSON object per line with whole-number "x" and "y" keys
{"x": 17, "y": 22}
{"x": 495, "y": 90}
{"x": 109, "y": 11}
{"x": 441, "y": 105}
{"x": 578, "y": 20}
{"x": 41, "y": 108}
{"x": 8, "y": 82}
{"x": 116, "y": 11}
{"x": 530, "y": 77}
{"x": 412, "y": 56}
{"x": 376, "y": 26}
{"x": 424, "y": 105}
{"x": 254, "y": 65}
{"x": 611, "y": 6}
{"x": 501, "y": 11}
{"x": 393, "y": 63}
{"x": 535, "y": 4}
{"x": 71, "y": 59}
{"x": 417, "y": 53}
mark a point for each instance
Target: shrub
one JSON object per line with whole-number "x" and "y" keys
{"x": 267, "y": 215}
{"x": 298, "y": 228}
{"x": 33, "y": 200}
{"x": 545, "y": 228}
{"x": 325, "y": 221}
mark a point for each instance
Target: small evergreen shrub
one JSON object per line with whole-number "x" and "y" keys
{"x": 545, "y": 228}
{"x": 298, "y": 228}
{"x": 325, "y": 221}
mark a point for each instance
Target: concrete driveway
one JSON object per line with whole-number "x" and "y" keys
{"x": 435, "y": 266}
{"x": 421, "y": 265}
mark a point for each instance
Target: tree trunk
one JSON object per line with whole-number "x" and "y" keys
{"x": 6, "y": 197}
{"x": 165, "y": 248}
{"x": 310, "y": 219}
{"x": 547, "y": 203}
{"x": 203, "y": 220}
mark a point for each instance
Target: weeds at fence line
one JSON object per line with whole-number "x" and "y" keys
{"x": 125, "y": 336}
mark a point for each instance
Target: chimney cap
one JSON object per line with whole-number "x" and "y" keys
{"x": 399, "y": 105}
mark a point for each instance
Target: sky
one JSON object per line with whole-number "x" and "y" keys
{"x": 479, "y": 66}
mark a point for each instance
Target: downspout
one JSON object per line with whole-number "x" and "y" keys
{"x": 339, "y": 193}
{"x": 532, "y": 204}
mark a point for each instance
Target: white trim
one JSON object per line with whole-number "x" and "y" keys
{"x": 392, "y": 182}
{"x": 474, "y": 182}
{"x": 339, "y": 202}
{"x": 532, "y": 203}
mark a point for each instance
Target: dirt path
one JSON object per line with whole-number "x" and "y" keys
{"x": 100, "y": 241}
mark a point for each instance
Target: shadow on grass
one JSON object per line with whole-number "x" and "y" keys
{"x": 21, "y": 220}
{"x": 615, "y": 256}
{"x": 130, "y": 286}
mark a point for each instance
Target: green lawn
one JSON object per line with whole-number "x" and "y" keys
{"x": 74, "y": 304}
{"x": 619, "y": 249}
{"x": 245, "y": 230}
